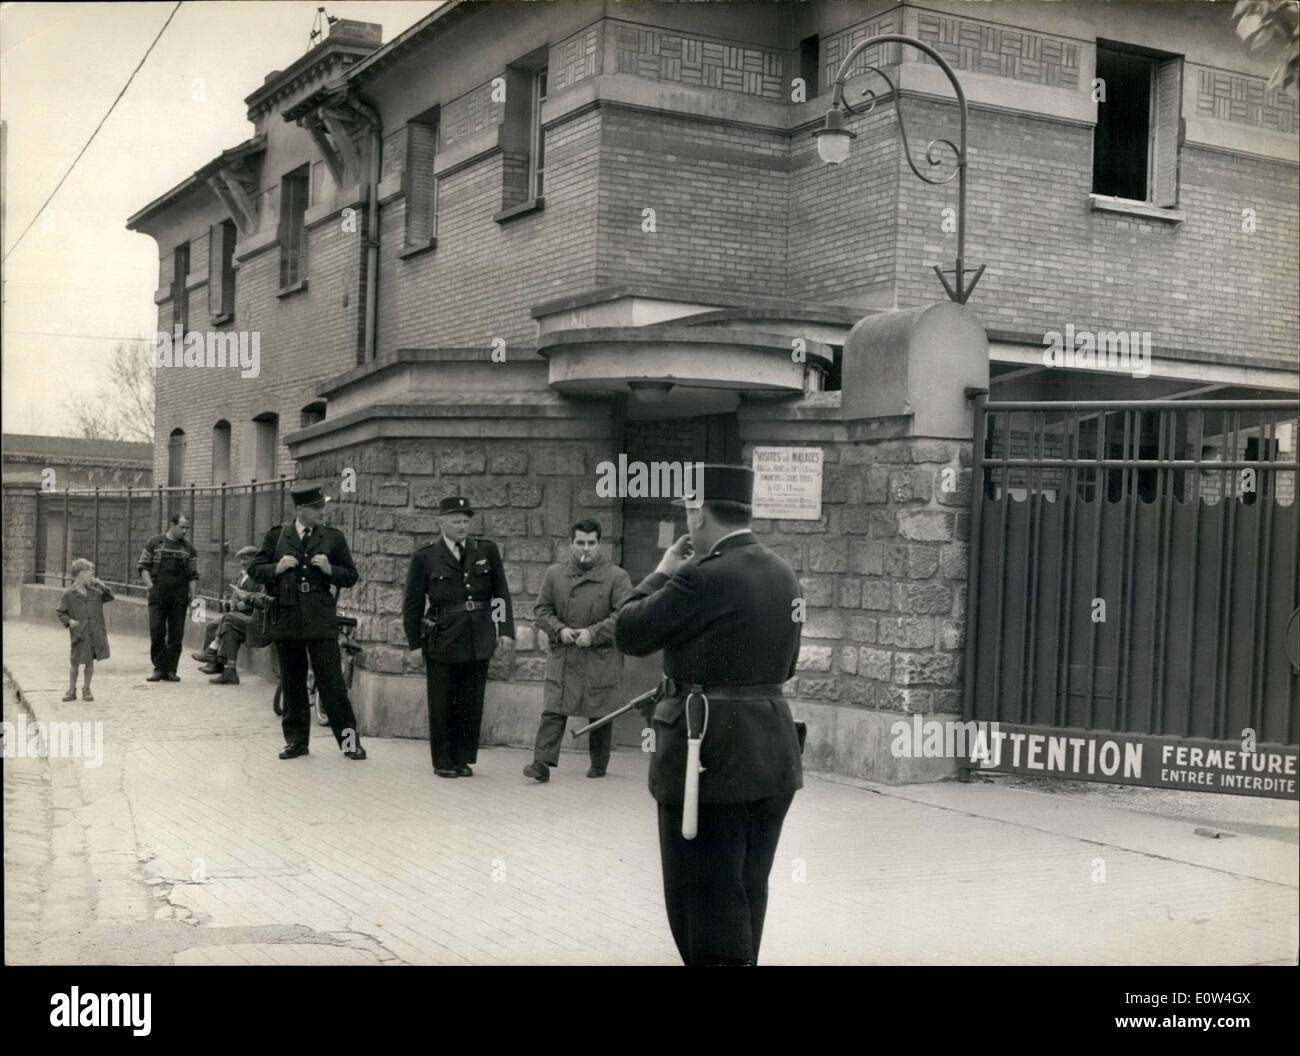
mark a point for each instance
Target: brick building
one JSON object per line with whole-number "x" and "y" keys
{"x": 520, "y": 240}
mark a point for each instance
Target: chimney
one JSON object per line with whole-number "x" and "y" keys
{"x": 350, "y": 31}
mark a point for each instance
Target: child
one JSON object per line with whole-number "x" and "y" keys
{"x": 81, "y": 610}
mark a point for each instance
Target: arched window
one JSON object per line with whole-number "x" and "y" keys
{"x": 313, "y": 413}
{"x": 221, "y": 452}
{"x": 266, "y": 441}
{"x": 176, "y": 458}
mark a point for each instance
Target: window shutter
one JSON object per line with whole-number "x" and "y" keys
{"x": 420, "y": 185}
{"x": 1166, "y": 115}
{"x": 216, "y": 289}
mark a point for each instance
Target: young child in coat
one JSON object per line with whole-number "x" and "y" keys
{"x": 81, "y": 610}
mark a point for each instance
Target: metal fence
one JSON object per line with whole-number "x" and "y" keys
{"x": 1134, "y": 567}
{"x": 110, "y": 526}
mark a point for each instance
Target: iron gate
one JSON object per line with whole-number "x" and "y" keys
{"x": 1133, "y": 583}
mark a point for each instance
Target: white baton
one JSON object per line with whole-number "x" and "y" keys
{"x": 691, "y": 800}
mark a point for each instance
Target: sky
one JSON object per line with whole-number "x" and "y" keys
{"x": 79, "y": 282}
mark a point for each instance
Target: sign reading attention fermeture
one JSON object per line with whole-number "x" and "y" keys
{"x": 788, "y": 483}
{"x": 1137, "y": 759}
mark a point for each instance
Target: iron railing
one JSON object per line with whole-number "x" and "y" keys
{"x": 1134, "y": 566}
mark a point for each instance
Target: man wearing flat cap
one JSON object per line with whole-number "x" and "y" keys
{"x": 301, "y": 563}
{"x": 457, "y": 607}
{"x": 223, "y": 637}
{"x": 721, "y": 607}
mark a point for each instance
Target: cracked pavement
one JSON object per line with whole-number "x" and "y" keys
{"x": 194, "y": 844}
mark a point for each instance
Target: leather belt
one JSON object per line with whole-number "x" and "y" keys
{"x": 766, "y": 691}
{"x": 305, "y": 586}
{"x": 469, "y": 605}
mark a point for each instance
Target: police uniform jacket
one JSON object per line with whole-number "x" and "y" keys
{"x": 724, "y": 619}
{"x": 302, "y": 599}
{"x": 457, "y": 601}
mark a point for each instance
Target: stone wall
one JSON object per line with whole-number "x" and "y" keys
{"x": 19, "y": 520}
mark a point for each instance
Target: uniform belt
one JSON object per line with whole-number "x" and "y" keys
{"x": 306, "y": 586}
{"x": 767, "y": 691}
{"x": 468, "y": 605}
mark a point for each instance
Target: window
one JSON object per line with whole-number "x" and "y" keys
{"x": 1135, "y": 145}
{"x": 293, "y": 211}
{"x": 313, "y": 413}
{"x": 536, "y": 136}
{"x": 809, "y": 54}
{"x": 221, "y": 271}
{"x": 419, "y": 183}
{"x": 176, "y": 459}
{"x": 221, "y": 452}
{"x": 180, "y": 299}
{"x": 266, "y": 441}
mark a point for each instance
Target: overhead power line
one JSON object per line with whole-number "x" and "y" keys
{"x": 83, "y": 150}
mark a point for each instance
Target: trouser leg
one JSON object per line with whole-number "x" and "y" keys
{"x": 157, "y": 632}
{"x": 550, "y": 735}
{"x": 766, "y": 816}
{"x": 704, "y": 888}
{"x": 438, "y": 686}
{"x": 210, "y": 633}
{"x": 327, "y": 662}
{"x": 178, "y": 603}
{"x": 467, "y": 711}
{"x": 234, "y": 629}
{"x": 599, "y": 746}
{"x": 293, "y": 681}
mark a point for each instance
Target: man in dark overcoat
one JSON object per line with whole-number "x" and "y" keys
{"x": 722, "y": 608}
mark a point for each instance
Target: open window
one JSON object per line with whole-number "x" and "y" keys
{"x": 180, "y": 297}
{"x": 221, "y": 271}
{"x": 1139, "y": 125}
{"x": 523, "y": 140}
{"x": 294, "y": 188}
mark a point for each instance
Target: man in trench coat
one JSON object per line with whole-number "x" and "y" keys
{"x": 576, "y": 607}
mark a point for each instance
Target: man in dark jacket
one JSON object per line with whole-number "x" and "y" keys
{"x": 169, "y": 567}
{"x": 300, "y": 563}
{"x": 575, "y": 608}
{"x": 721, "y": 607}
{"x": 456, "y": 596}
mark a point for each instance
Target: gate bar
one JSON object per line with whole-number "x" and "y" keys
{"x": 973, "y": 567}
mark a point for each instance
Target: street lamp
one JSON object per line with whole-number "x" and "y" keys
{"x": 834, "y": 140}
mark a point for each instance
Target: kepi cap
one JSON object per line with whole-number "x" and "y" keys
{"x": 305, "y": 495}
{"x": 455, "y": 504}
{"x": 719, "y": 483}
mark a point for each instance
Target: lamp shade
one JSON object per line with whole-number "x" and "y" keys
{"x": 833, "y": 138}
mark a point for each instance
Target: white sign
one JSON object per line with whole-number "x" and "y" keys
{"x": 788, "y": 483}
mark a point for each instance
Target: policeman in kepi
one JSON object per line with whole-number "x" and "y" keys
{"x": 301, "y": 563}
{"x": 721, "y": 607}
{"x": 457, "y": 607}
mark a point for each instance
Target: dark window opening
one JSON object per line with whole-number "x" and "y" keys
{"x": 313, "y": 413}
{"x": 809, "y": 65}
{"x": 176, "y": 458}
{"x": 834, "y": 376}
{"x": 1139, "y": 126}
{"x": 180, "y": 298}
{"x": 293, "y": 212}
{"x": 221, "y": 269}
{"x": 266, "y": 439}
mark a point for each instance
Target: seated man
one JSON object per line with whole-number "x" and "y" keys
{"x": 223, "y": 637}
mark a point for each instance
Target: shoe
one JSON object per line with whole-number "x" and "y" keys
{"x": 292, "y": 751}
{"x": 445, "y": 773}
{"x": 171, "y": 676}
{"x": 226, "y": 678}
{"x": 87, "y": 695}
{"x": 539, "y": 772}
{"x": 596, "y": 771}
{"x": 463, "y": 770}
{"x": 356, "y": 753}
{"x": 206, "y": 658}
{"x": 70, "y": 695}
{"x": 212, "y": 669}
{"x": 155, "y": 676}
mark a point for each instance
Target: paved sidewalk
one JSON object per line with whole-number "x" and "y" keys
{"x": 193, "y": 843}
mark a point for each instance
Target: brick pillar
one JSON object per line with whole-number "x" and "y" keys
{"x": 19, "y": 518}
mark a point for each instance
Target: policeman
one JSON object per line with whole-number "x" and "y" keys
{"x": 721, "y": 607}
{"x": 300, "y": 563}
{"x": 169, "y": 567}
{"x": 456, "y": 594}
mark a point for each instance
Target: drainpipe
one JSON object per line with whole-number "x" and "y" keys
{"x": 372, "y": 225}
